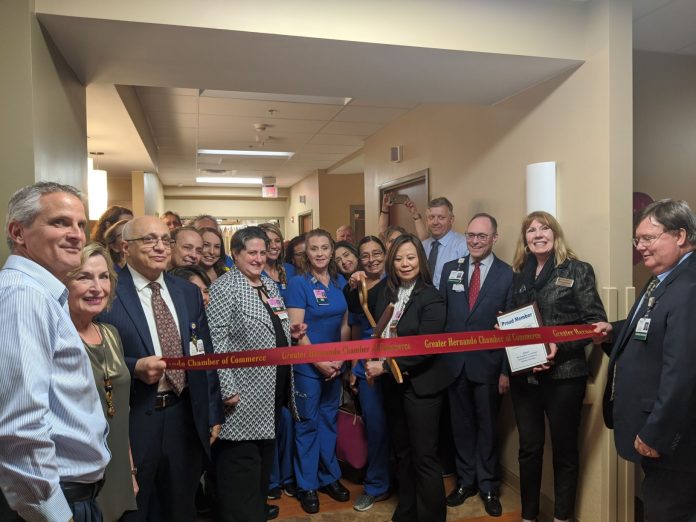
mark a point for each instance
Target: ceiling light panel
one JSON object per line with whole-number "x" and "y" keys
{"x": 249, "y": 153}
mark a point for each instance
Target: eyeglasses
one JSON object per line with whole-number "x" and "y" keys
{"x": 377, "y": 255}
{"x": 481, "y": 237}
{"x": 646, "y": 240}
{"x": 151, "y": 241}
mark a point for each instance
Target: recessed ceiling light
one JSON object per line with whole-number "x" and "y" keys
{"x": 227, "y": 179}
{"x": 248, "y": 153}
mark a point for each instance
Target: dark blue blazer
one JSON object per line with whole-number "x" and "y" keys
{"x": 654, "y": 381}
{"x": 126, "y": 314}
{"x": 481, "y": 366}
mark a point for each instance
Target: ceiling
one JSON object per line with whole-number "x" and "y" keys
{"x": 156, "y": 93}
{"x": 665, "y": 26}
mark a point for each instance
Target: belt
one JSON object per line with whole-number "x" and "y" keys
{"x": 166, "y": 399}
{"x": 79, "y": 492}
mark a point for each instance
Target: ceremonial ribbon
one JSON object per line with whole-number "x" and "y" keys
{"x": 375, "y": 348}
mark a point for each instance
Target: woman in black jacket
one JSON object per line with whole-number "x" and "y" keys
{"x": 547, "y": 272}
{"x": 413, "y": 408}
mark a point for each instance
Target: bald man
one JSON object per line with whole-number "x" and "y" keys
{"x": 345, "y": 233}
{"x": 175, "y": 415}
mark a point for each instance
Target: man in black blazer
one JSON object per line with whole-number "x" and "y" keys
{"x": 650, "y": 398}
{"x": 171, "y": 428}
{"x": 475, "y": 289}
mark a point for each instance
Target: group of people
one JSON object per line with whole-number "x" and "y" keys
{"x": 93, "y": 424}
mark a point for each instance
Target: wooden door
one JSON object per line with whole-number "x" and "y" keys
{"x": 415, "y": 186}
{"x": 305, "y": 222}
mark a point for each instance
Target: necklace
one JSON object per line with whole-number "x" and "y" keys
{"x": 108, "y": 386}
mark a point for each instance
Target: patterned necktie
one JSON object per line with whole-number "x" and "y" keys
{"x": 475, "y": 285}
{"x": 432, "y": 257}
{"x": 169, "y": 338}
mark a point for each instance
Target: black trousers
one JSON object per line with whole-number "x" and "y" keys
{"x": 170, "y": 468}
{"x": 668, "y": 495}
{"x": 561, "y": 401}
{"x": 414, "y": 425}
{"x": 474, "y": 408}
{"x": 242, "y": 472}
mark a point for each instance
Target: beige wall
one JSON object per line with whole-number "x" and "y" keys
{"x": 665, "y": 125}
{"x": 120, "y": 191}
{"x": 232, "y": 208}
{"x": 43, "y": 124}
{"x": 337, "y": 193}
{"x": 477, "y": 158}
{"x": 153, "y": 193}
{"x": 308, "y": 187}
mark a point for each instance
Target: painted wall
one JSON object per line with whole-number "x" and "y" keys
{"x": 154, "y": 194}
{"x": 477, "y": 158}
{"x": 338, "y": 192}
{"x": 120, "y": 191}
{"x": 43, "y": 128}
{"x": 308, "y": 187}
{"x": 664, "y": 130}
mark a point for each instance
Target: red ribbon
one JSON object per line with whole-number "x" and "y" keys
{"x": 376, "y": 348}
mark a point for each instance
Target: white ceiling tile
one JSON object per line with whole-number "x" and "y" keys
{"x": 670, "y": 29}
{"x": 370, "y": 114}
{"x": 351, "y": 128}
{"x": 395, "y": 103}
{"x": 259, "y": 109}
{"x": 329, "y": 149}
{"x": 337, "y": 139}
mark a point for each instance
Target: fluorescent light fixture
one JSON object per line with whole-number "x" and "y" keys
{"x": 267, "y": 96}
{"x": 227, "y": 179}
{"x": 97, "y": 192}
{"x": 248, "y": 153}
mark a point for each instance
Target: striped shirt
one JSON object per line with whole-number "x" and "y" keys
{"x": 52, "y": 426}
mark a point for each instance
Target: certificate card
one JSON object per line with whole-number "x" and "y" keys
{"x": 524, "y": 358}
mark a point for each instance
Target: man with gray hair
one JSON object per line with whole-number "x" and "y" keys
{"x": 52, "y": 428}
{"x": 650, "y": 398}
{"x": 444, "y": 244}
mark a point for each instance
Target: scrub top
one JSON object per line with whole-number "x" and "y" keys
{"x": 323, "y": 319}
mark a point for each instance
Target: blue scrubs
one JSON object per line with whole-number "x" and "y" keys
{"x": 376, "y": 480}
{"x": 317, "y": 399}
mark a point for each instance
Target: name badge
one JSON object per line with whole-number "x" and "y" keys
{"x": 564, "y": 281}
{"x": 320, "y": 296}
{"x": 278, "y": 307}
{"x": 196, "y": 348}
{"x": 641, "y": 333}
{"x": 455, "y": 276}
{"x": 458, "y": 287}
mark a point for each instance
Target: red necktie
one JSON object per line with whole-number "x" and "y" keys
{"x": 169, "y": 338}
{"x": 474, "y": 285}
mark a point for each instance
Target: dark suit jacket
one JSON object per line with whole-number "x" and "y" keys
{"x": 559, "y": 304}
{"x": 481, "y": 366}
{"x": 424, "y": 314}
{"x": 655, "y": 385}
{"x": 127, "y": 315}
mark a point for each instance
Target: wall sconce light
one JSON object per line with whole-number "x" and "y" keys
{"x": 97, "y": 193}
{"x": 541, "y": 187}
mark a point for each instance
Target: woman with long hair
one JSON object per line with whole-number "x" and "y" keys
{"x": 294, "y": 254}
{"x": 346, "y": 256}
{"x": 275, "y": 265}
{"x": 110, "y": 216}
{"x": 547, "y": 272}
{"x": 315, "y": 297}
{"x": 213, "y": 255}
{"x": 113, "y": 240}
{"x": 413, "y": 407}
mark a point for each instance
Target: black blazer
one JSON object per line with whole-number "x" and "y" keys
{"x": 655, "y": 384}
{"x": 424, "y": 314}
{"x": 559, "y": 304}
{"x": 127, "y": 316}
{"x": 483, "y": 366}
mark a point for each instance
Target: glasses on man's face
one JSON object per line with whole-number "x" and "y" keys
{"x": 646, "y": 241}
{"x": 376, "y": 255}
{"x": 151, "y": 241}
{"x": 481, "y": 237}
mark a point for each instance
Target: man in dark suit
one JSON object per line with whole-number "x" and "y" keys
{"x": 175, "y": 415}
{"x": 475, "y": 289}
{"x": 650, "y": 398}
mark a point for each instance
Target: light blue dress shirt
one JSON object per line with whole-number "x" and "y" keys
{"x": 452, "y": 246}
{"x": 52, "y": 427}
